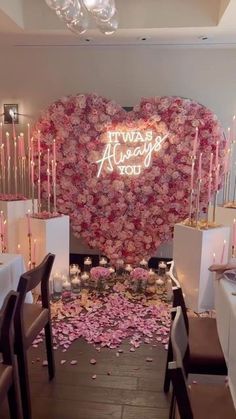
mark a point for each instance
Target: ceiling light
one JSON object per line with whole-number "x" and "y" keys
{"x": 75, "y": 14}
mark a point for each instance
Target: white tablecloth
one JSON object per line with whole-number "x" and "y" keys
{"x": 225, "y": 304}
{"x": 11, "y": 268}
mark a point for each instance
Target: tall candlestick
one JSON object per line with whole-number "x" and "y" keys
{"x": 34, "y": 253}
{"x": 195, "y": 143}
{"x": 15, "y": 165}
{"x": 234, "y": 239}
{"x": 210, "y": 178}
{"x": 223, "y": 253}
{"x": 200, "y": 167}
{"x": 217, "y": 154}
{"x": 32, "y": 172}
{"x": 1, "y": 134}
{"x": 29, "y": 158}
{"x": 198, "y": 201}
{"x": 48, "y": 178}
{"x": 8, "y": 154}
{"x": 28, "y": 222}
{"x": 217, "y": 177}
{"x": 39, "y": 171}
{"x": 3, "y": 169}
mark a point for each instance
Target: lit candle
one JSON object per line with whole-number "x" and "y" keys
{"x": 151, "y": 272}
{"x": 223, "y": 252}
{"x": 210, "y": 178}
{"x": 5, "y": 235}
{"x": 103, "y": 262}
{"x": 39, "y": 171}
{"x": 195, "y": 143}
{"x": 85, "y": 276}
{"x": 143, "y": 262}
{"x": 128, "y": 268}
{"x": 3, "y": 169}
{"x": 1, "y": 133}
{"x": 65, "y": 283}
{"x": 192, "y": 174}
{"x": 200, "y": 167}
{"x": 75, "y": 281}
{"x": 28, "y": 223}
{"x": 217, "y": 177}
{"x": 88, "y": 261}
{"x": 18, "y": 248}
{"x": 217, "y": 154}
{"x": 214, "y": 258}
{"x": 74, "y": 269}
{"x": 234, "y": 234}
{"x": 111, "y": 270}
{"x": 8, "y": 154}
{"x": 57, "y": 282}
{"x": 48, "y": 178}
{"x": 1, "y": 222}
{"x": 34, "y": 252}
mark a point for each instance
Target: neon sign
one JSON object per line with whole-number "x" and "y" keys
{"x": 129, "y": 152}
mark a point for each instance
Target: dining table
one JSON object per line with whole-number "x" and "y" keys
{"x": 12, "y": 266}
{"x": 225, "y": 306}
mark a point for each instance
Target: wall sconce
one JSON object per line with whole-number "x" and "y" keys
{"x": 11, "y": 114}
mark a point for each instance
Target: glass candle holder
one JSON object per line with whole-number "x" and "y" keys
{"x": 85, "y": 280}
{"x": 57, "y": 285}
{"x": 162, "y": 267}
{"x": 87, "y": 264}
{"x": 143, "y": 264}
{"x": 66, "y": 284}
{"x": 103, "y": 262}
{"x": 76, "y": 284}
{"x": 74, "y": 269}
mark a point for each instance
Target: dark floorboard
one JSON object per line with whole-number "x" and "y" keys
{"x": 126, "y": 386}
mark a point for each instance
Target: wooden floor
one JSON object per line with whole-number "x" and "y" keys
{"x": 126, "y": 386}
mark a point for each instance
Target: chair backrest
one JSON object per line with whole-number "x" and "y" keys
{"x": 178, "y": 300}
{"x": 6, "y": 326}
{"x": 28, "y": 281}
{"x": 179, "y": 341}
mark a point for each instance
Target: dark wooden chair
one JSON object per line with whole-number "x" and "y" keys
{"x": 29, "y": 320}
{"x": 205, "y": 353}
{"x": 9, "y": 384}
{"x": 200, "y": 401}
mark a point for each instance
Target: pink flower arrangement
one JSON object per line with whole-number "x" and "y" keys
{"x": 127, "y": 217}
{"x": 139, "y": 274}
{"x": 98, "y": 272}
{"x": 12, "y": 197}
{"x": 45, "y": 215}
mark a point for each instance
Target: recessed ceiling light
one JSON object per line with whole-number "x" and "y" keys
{"x": 144, "y": 38}
{"x": 88, "y": 39}
{"x": 203, "y": 38}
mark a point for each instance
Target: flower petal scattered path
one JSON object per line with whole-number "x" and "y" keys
{"x": 108, "y": 320}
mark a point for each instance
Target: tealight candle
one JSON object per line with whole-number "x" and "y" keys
{"x": 151, "y": 272}
{"x": 128, "y": 268}
{"x": 74, "y": 269}
{"x": 111, "y": 270}
{"x": 103, "y": 262}
{"x": 143, "y": 262}
{"x": 159, "y": 281}
{"x": 65, "y": 283}
{"x": 85, "y": 276}
{"x": 75, "y": 280}
{"x": 88, "y": 261}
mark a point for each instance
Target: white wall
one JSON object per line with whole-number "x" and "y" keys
{"x": 35, "y": 76}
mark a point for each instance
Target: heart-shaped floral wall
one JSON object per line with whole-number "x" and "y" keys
{"x": 125, "y": 203}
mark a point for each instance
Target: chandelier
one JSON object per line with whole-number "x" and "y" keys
{"x": 75, "y": 14}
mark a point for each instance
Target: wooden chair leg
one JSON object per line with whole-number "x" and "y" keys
{"x": 14, "y": 403}
{"x": 49, "y": 347}
{"x": 166, "y": 386}
{"x": 24, "y": 383}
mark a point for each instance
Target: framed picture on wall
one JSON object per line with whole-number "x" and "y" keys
{"x": 10, "y": 112}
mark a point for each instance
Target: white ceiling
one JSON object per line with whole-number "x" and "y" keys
{"x": 162, "y": 22}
